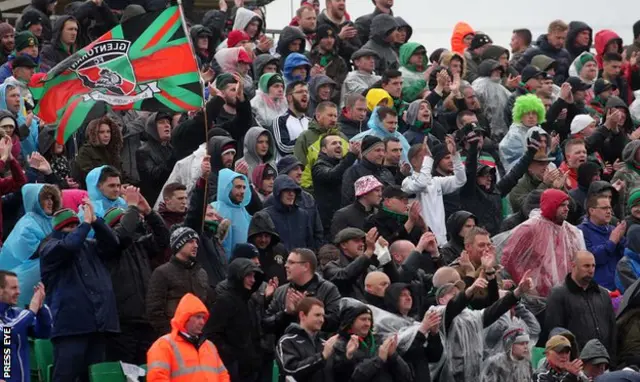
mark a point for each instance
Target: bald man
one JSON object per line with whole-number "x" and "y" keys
{"x": 582, "y": 306}
{"x": 375, "y": 284}
{"x": 400, "y": 250}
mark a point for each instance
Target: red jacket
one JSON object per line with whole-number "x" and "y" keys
{"x": 11, "y": 183}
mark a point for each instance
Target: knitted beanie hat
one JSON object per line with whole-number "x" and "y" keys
{"x": 113, "y": 216}
{"x": 634, "y": 197}
{"x": 180, "y": 237}
{"x": 237, "y": 36}
{"x": 63, "y": 218}
{"x": 369, "y": 142}
{"x": 583, "y": 59}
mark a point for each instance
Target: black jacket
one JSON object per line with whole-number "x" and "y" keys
{"x": 214, "y": 149}
{"x": 300, "y": 356}
{"x": 586, "y": 313}
{"x": 273, "y": 257}
{"x": 349, "y": 274}
{"x": 277, "y": 320}
{"x": 365, "y": 365}
{"x": 350, "y": 127}
{"x": 131, "y": 272}
{"x": 363, "y": 168}
{"x": 327, "y": 174}
{"x": 353, "y": 215}
{"x": 211, "y": 255}
{"x": 575, "y": 27}
{"x": 391, "y": 228}
{"x": 562, "y": 57}
{"x": 155, "y": 162}
{"x": 53, "y": 53}
{"x": 231, "y": 327}
{"x": 486, "y": 205}
{"x": 345, "y": 47}
{"x": 455, "y": 245}
{"x": 40, "y": 6}
{"x": 363, "y": 24}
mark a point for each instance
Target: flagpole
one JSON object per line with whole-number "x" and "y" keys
{"x": 204, "y": 108}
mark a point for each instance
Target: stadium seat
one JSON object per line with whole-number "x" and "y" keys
{"x": 536, "y": 355}
{"x": 106, "y": 372}
{"x": 43, "y": 350}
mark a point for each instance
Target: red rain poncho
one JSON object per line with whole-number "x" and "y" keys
{"x": 541, "y": 245}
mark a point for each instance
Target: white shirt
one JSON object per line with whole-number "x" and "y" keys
{"x": 430, "y": 190}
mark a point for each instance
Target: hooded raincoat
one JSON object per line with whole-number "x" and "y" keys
{"x": 413, "y": 80}
{"x": 460, "y": 30}
{"x": 19, "y": 252}
{"x": 503, "y": 367}
{"x": 265, "y": 109}
{"x": 602, "y": 40}
{"x": 287, "y": 36}
{"x": 228, "y": 209}
{"x": 251, "y": 157}
{"x": 28, "y": 143}
{"x": 381, "y": 26}
{"x": 56, "y": 51}
{"x": 357, "y": 82}
{"x": 630, "y": 173}
{"x": 377, "y": 129}
{"x": 548, "y": 260}
{"x": 154, "y": 160}
{"x": 292, "y": 61}
{"x": 188, "y": 357}
{"x": 575, "y": 28}
{"x": 100, "y": 202}
{"x": 455, "y": 245}
{"x": 492, "y": 95}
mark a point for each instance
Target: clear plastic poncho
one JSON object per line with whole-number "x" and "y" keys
{"x": 494, "y": 99}
{"x": 266, "y": 110}
{"x": 541, "y": 246}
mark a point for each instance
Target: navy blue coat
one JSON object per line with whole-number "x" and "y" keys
{"x": 78, "y": 285}
{"x": 292, "y": 222}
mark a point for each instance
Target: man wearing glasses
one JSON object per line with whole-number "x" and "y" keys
{"x": 605, "y": 241}
{"x": 303, "y": 282}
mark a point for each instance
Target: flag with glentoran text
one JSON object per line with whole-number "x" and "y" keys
{"x": 145, "y": 63}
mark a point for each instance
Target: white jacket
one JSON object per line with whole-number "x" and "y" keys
{"x": 430, "y": 190}
{"x": 186, "y": 171}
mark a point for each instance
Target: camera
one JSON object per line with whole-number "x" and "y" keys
{"x": 472, "y": 128}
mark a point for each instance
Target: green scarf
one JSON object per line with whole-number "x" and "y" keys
{"x": 368, "y": 344}
{"x": 418, "y": 126}
{"x": 211, "y": 226}
{"x": 326, "y": 59}
{"x": 401, "y": 218}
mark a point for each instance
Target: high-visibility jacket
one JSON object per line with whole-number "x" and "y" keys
{"x": 173, "y": 358}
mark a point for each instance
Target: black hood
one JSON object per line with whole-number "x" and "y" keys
{"x": 215, "y": 20}
{"x": 586, "y": 172}
{"x": 239, "y": 269}
{"x": 599, "y": 186}
{"x": 214, "y": 148}
{"x": 197, "y": 30}
{"x": 260, "y": 62}
{"x": 575, "y": 27}
{"x": 288, "y": 35}
{"x": 487, "y": 66}
{"x": 348, "y": 314}
{"x": 494, "y": 52}
{"x": 617, "y": 102}
{"x": 8, "y": 114}
{"x": 41, "y": 5}
{"x": 46, "y": 138}
{"x": 455, "y": 223}
{"x": 262, "y": 223}
{"x": 57, "y": 28}
{"x": 531, "y": 202}
{"x": 284, "y": 182}
{"x": 391, "y": 296}
{"x": 381, "y": 25}
{"x": 403, "y": 24}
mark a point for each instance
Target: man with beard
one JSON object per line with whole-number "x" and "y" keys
{"x": 235, "y": 116}
{"x": 520, "y": 42}
{"x": 373, "y": 152}
{"x": 7, "y": 41}
{"x": 336, "y": 17}
{"x": 363, "y": 23}
{"x": 514, "y": 363}
{"x": 327, "y": 173}
{"x": 581, "y": 306}
{"x": 289, "y": 126}
{"x": 547, "y": 262}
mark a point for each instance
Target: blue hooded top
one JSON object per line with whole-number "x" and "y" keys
{"x": 293, "y": 61}
{"x": 100, "y": 202}
{"x": 377, "y": 129}
{"x": 236, "y": 213}
{"x": 30, "y": 143}
{"x": 23, "y": 242}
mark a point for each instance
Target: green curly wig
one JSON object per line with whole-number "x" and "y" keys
{"x": 528, "y": 103}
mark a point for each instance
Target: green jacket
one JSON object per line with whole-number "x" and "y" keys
{"x": 307, "y": 149}
{"x": 414, "y": 81}
{"x": 525, "y": 185}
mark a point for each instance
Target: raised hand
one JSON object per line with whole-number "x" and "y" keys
{"x": 451, "y": 145}
{"x": 272, "y": 285}
{"x": 430, "y": 322}
{"x": 38, "y": 298}
{"x": 89, "y": 216}
{"x": 352, "y": 346}
{"x": 479, "y": 284}
{"x": 526, "y": 284}
{"x": 465, "y": 263}
{"x": 370, "y": 241}
{"x": 618, "y": 233}
{"x": 131, "y": 195}
{"x": 242, "y": 167}
{"x": 329, "y": 345}
{"x": 5, "y": 148}
{"x": 38, "y": 162}
{"x": 427, "y": 243}
{"x": 205, "y": 166}
{"x": 143, "y": 205}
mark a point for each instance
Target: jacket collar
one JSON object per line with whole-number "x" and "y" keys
{"x": 183, "y": 264}
{"x": 575, "y": 288}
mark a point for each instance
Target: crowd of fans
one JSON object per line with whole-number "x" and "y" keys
{"x": 347, "y": 204}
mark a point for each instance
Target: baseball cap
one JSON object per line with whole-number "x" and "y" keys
{"x": 557, "y": 343}
{"x": 577, "y": 84}
{"x": 23, "y": 61}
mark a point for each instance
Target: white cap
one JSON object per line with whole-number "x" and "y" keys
{"x": 580, "y": 122}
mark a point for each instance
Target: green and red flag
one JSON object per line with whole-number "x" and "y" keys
{"x": 145, "y": 63}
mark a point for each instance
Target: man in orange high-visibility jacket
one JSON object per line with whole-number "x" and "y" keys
{"x": 185, "y": 355}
